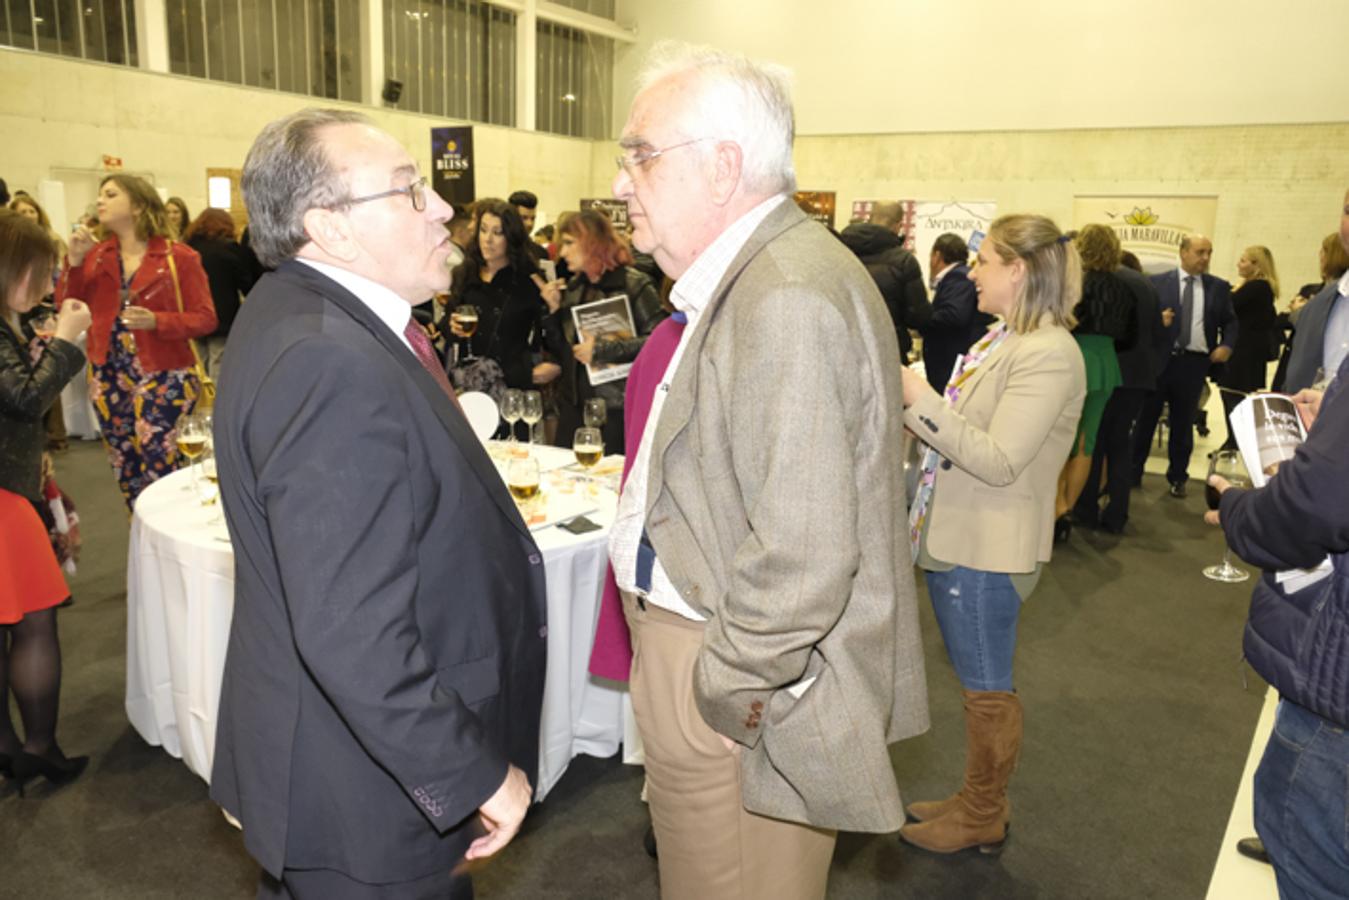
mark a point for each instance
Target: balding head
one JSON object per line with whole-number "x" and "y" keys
{"x": 888, "y": 215}
{"x": 1196, "y": 251}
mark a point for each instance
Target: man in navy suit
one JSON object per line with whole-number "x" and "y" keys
{"x": 379, "y": 711}
{"x": 1321, "y": 341}
{"x": 1201, "y": 334}
{"x": 956, "y": 322}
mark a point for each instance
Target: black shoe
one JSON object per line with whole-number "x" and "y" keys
{"x": 54, "y": 767}
{"x": 1178, "y": 490}
{"x": 1063, "y": 526}
{"x": 1254, "y": 848}
{"x": 1202, "y": 429}
{"x": 6, "y": 766}
{"x": 649, "y": 841}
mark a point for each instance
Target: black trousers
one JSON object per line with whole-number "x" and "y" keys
{"x": 329, "y": 884}
{"x": 1114, "y": 453}
{"x": 1179, "y": 387}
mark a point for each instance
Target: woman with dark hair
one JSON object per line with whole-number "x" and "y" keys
{"x": 601, "y": 268}
{"x": 176, "y": 217}
{"x": 149, "y": 297}
{"x": 31, "y": 584}
{"x": 230, "y": 273}
{"x": 1107, "y": 322}
{"x": 495, "y": 278}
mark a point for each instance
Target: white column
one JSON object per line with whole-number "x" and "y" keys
{"x": 526, "y": 66}
{"x": 152, "y": 35}
{"x": 372, "y": 52}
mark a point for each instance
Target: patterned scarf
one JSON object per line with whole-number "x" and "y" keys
{"x": 965, "y": 367}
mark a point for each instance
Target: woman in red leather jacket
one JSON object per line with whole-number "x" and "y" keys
{"x": 140, "y": 359}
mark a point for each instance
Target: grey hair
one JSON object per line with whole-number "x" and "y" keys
{"x": 740, "y": 100}
{"x": 287, "y": 173}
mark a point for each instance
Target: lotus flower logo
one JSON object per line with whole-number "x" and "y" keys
{"x": 1143, "y": 216}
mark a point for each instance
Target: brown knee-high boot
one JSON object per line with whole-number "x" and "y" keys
{"x": 979, "y": 814}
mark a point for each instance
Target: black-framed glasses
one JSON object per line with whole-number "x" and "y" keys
{"x": 416, "y": 192}
{"x": 639, "y": 158}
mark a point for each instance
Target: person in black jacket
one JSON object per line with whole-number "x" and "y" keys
{"x": 495, "y": 277}
{"x": 1297, "y": 639}
{"x": 956, "y": 322}
{"x": 880, "y": 247}
{"x": 600, "y": 263}
{"x": 231, "y": 272}
{"x": 31, "y": 583}
{"x": 1259, "y": 336}
{"x": 1138, "y": 366}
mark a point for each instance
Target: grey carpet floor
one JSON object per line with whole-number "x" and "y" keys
{"x": 1138, "y": 723}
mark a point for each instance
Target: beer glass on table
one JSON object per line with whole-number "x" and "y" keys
{"x": 1227, "y": 464}
{"x": 522, "y": 478}
{"x": 193, "y": 436}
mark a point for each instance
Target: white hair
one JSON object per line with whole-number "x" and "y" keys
{"x": 739, "y": 100}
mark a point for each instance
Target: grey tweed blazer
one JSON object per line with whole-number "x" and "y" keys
{"x": 776, "y": 505}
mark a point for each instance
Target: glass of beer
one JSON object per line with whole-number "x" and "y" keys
{"x": 466, "y": 318}
{"x": 43, "y": 322}
{"x": 531, "y": 410}
{"x": 1226, "y": 463}
{"x": 588, "y": 446}
{"x": 522, "y": 477}
{"x": 193, "y": 436}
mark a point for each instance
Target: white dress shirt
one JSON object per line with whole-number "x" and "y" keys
{"x": 387, "y": 306}
{"x": 690, "y": 295}
{"x": 1196, "y": 340}
{"x": 936, "y": 279}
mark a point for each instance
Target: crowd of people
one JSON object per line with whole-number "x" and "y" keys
{"x": 380, "y": 703}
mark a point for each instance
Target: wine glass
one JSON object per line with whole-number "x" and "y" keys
{"x": 43, "y": 322}
{"x": 1226, "y": 463}
{"x": 588, "y": 446}
{"x": 595, "y": 412}
{"x": 522, "y": 478}
{"x": 466, "y": 317}
{"x": 193, "y": 436}
{"x": 531, "y": 411}
{"x": 512, "y": 406}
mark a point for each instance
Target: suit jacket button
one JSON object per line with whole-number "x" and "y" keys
{"x": 535, "y": 559}
{"x": 543, "y": 631}
{"x": 946, "y": 464}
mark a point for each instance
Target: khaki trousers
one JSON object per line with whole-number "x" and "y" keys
{"x": 710, "y": 846}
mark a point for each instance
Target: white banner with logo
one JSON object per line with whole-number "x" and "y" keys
{"x": 1150, "y": 226}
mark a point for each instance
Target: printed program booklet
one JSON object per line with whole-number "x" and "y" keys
{"x": 607, "y": 319}
{"x": 1269, "y": 430}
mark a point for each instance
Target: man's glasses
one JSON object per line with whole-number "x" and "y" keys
{"x": 416, "y": 192}
{"x": 636, "y": 159}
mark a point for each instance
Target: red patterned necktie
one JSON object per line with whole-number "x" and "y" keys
{"x": 421, "y": 346}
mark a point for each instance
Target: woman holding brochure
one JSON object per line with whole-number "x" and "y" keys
{"x": 602, "y": 269}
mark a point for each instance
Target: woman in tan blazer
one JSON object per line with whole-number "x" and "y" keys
{"x": 982, "y": 524}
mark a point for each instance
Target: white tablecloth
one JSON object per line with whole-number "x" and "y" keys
{"x": 180, "y": 598}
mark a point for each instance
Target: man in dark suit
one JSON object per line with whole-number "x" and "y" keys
{"x": 379, "y": 712}
{"x": 1321, "y": 340}
{"x": 956, "y": 322}
{"x": 1202, "y": 333}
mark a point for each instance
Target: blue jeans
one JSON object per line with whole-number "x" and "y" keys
{"x": 1302, "y": 804}
{"x": 977, "y": 613}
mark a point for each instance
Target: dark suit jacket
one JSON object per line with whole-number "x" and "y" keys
{"x": 1220, "y": 320}
{"x": 956, "y": 323}
{"x": 386, "y": 656}
{"x": 1309, "y": 337}
{"x": 1141, "y": 364}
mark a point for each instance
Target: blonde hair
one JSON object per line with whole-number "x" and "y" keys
{"x": 1337, "y": 258}
{"x": 1264, "y": 266}
{"x": 1053, "y": 282}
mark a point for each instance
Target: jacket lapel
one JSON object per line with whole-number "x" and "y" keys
{"x": 678, "y": 406}
{"x": 991, "y": 364}
{"x": 453, "y": 421}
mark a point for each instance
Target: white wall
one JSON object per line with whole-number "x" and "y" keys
{"x": 61, "y": 116}
{"x": 883, "y": 66}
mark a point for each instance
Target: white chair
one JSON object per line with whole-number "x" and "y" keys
{"x": 482, "y": 414}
